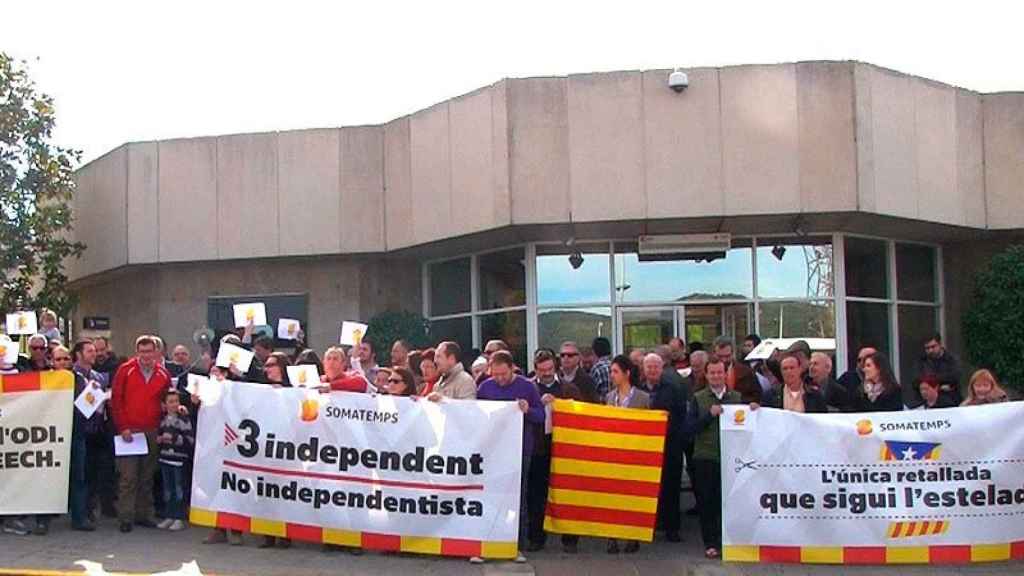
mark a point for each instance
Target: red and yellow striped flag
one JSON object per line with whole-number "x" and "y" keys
{"x": 605, "y": 470}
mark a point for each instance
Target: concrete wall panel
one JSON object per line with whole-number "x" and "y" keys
{"x": 760, "y": 139}
{"x": 188, "y": 199}
{"x": 1004, "y": 159}
{"x": 362, "y": 189}
{"x": 935, "y": 131}
{"x": 247, "y": 201}
{"x": 100, "y": 207}
{"x": 429, "y": 142}
{"x": 308, "y": 168}
{"x": 683, "y": 145}
{"x": 472, "y": 157}
{"x": 827, "y": 149}
{"x": 863, "y": 113}
{"x": 398, "y": 185}
{"x": 970, "y": 163}
{"x": 893, "y": 143}
{"x": 143, "y": 204}
{"x": 538, "y": 119}
{"x": 500, "y": 146}
{"x": 606, "y": 146}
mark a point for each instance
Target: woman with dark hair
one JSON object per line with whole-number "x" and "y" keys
{"x": 308, "y": 357}
{"x": 429, "y": 372}
{"x": 401, "y": 382}
{"x": 624, "y": 394}
{"x": 275, "y": 370}
{"x": 879, "y": 392}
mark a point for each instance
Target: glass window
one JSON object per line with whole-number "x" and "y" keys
{"x": 794, "y": 267}
{"x": 866, "y": 268}
{"x": 705, "y": 323}
{"x": 458, "y": 330}
{"x": 221, "y": 318}
{"x": 814, "y": 319}
{"x": 509, "y": 327}
{"x": 559, "y": 283}
{"x": 581, "y": 325}
{"x": 729, "y": 278}
{"x": 915, "y": 273}
{"x": 502, "y": 279}
{"x": 867, "y": 324}
{"x": 917, "y": 325}
{"x": 646, "y": 329}
{"x": 449, "y": 287}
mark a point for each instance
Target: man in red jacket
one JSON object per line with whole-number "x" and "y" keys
{"x": 138, "y": 388}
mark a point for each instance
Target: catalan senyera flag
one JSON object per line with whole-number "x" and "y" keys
{"x": 605, "y": 470}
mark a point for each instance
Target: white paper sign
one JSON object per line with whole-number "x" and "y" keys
{"x": 230, "y": 354}
{"x": 352, "y": 333}
{"x": 288, "y": 328}
{"x": 253, "y": 312}
{"x": 548, "y": 423}
{"x": 90, "y": 400}
{"x": 303, "y": 376}
{"x": 22, "y": 323}
{"x": 137, "y": 447}
{"x": 8, "y": 351}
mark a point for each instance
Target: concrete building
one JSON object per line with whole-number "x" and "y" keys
{"x": 857, "y": 202}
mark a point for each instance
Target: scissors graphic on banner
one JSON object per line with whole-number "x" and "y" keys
{"x": 741, "y": 465}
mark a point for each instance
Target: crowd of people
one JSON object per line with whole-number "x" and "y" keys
{"x": 149, "y": 397}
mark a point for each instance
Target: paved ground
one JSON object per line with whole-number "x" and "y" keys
{"x": 151, "y": 551}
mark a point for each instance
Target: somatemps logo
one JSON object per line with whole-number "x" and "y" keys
{"x": 739, "y": 417}
{"x": 864, "y": 427}
{"x": 310, "y": 409}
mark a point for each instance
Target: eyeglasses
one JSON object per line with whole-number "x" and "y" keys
{"x": 37, "y": 347}
{"x": 569, "y": 354}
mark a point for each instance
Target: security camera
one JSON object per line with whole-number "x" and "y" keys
{"x": 576, "y": 260}
{"x": 678, "y": 80}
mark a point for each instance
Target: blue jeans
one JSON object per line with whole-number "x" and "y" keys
{"x": 174, "y": 491}
{"x": 79, "y": 493}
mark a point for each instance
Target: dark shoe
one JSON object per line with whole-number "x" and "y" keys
{"x": 268, "y": 542}
{"x": 673, "y": 537}
{"x": 41, "y": 529}
{"x": 84, "y": 527}
{"x": 145, "y": 523}
{"x": 613, "y": 547}
{"x": 126, "y": 527}
{"x": 571, "y": 547}
{"x": 534, "y": 546}
{"x": 631, "y": 547}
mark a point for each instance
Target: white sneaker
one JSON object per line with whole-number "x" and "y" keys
{"x": 476, "y": 560}
{"x": 165, "y": 523}
{"x": 176, "y": 526}
{"x": 520, "y": 559}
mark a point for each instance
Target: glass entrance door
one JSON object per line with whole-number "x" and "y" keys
{"x": 648, "y": 327}
{"x": 706, "y": 322}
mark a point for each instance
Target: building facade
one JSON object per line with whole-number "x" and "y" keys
{"x": 856, "y": 203}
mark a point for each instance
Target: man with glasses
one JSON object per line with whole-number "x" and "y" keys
{"x": 38, "y": 359}
{"x": 571, "y": 371}
{"x": 853, "y": 378}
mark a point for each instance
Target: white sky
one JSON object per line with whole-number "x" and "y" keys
{"x": 127, "y": 71}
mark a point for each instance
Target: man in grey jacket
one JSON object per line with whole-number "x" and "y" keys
{"x": 455, "y": 382}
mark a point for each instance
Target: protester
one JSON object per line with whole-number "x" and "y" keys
{"x": 749, "y": 343}
{"x": 337, "y": 377}
{"x": 478, "y": 368}
{"x": 853, "y": 378}
{"x": 368, "y": 359}
{"x": 570, "y": 370}
{"x": 181, "y": 361}
{"x": 429, "y": 374}
{"x": 48, "y": 325}
{"x": 220, "y": 535}
{"x": 275, "y": 370}
{"x": 702, "y": 424}
{"x": 624, "y": 395}
{"x": 309, "y": 358}
{"x": 38, "y": 358}
{"x": 78, "y": 488}
{"x": 696, "y": 380}
{"x": 505, "y": 384}
{"x": 91, "y": 441}
{"x": 177, "y": 440}
{"x": 600, "y": 372}
{"x": 380, "y": 380}
{"x": 944, "y": 366}
{"x": 107, "y": 361}
{"x": 820, "y": 371}
{"x": 794, "y": 394}
{"x": 928, "y": 387}
{"x": 680, "y": 359}
{"x": 138, "y": 390}
{"x": 984, "y": 389}
{"x": 550, "y": 387}
{"x": 879, "y": 391}
{"x": 454, "y": 381}
{"x": 400, "y": 354}
{"x": 739, "y": 376}
{"x": 636, "y": 357}
{"x": 668, "y": 393}
{"x": 401, "y": 382}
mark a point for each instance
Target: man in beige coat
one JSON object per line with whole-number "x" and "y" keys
{"x": 455, "y": 382}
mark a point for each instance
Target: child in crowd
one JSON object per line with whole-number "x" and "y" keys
{"x": 48, "y": 319}
{"x": 176, "y": 440}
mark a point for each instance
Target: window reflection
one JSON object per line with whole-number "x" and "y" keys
{"x": 814, "y": 319}
{"x": 449, "y": 287}
{"x": 915, "y": 272}
{"x": 502, "y": 279}
{"x": 458, "y": 330}
{"x": 917, "y": 324}
{"x": 867, "y": 270}
{"x": 581, "y": 325}
{"x": 794, "y": 267}
{"x": 729, "y": 278}
{"x": 867, "y": 324}
{"x": 559, "y": 283}
{"x": 509, "y": 327}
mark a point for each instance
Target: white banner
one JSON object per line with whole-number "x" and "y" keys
{"x": 35, "y": 442}
{"x": 914, "y": 486}
{"x": 364, "y": 469}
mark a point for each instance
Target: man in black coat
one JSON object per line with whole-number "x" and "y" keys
{"x": 938, "y": 362}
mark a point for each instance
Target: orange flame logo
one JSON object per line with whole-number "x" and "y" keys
{"x": 22, "y": 322}
{"x": 739, "y": 417}
{"x": 864, "y": 427}
{"x": 250, "y": 314}
{"x": 310, "y": 410}
{"x": 291, "y": 329}
{"x": 302, "y": 376}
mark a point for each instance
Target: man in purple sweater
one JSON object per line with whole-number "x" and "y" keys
{"x": 505, "y": 384}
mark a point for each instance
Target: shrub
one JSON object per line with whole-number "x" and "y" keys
{"x": 994, "y": 319}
